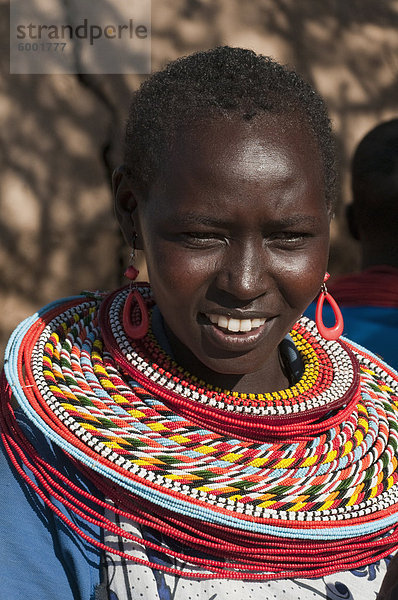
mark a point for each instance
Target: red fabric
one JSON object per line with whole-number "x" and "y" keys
{"x": 376, "y": 286}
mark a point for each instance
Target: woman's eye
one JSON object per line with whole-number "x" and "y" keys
{"x": 200, "y": 239}
{"x": 288, "y": 239}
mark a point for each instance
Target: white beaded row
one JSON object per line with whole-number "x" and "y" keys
{"x": 339, "y": 357}
{"x": 383, "y": 501}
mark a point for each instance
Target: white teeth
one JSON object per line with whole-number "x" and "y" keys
{"x": 235, "y": 325}
{"x": 222, "y": 322}
{"x": 245, "y": 325}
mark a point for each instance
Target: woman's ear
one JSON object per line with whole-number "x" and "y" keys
{"x": 125, "y": 201}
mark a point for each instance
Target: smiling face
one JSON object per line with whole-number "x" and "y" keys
{"x": 236, "y": 236}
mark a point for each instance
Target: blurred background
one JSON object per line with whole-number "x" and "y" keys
{"x": 61, "y": 135}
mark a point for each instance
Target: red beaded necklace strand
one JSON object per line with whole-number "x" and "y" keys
{"x": 237, "y": 552}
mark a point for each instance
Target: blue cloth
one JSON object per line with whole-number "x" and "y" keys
{"x": 373, "y": 327}
{"x": 40, "y": 557}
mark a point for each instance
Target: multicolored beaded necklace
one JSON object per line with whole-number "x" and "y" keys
{"x": 301, "y": 482}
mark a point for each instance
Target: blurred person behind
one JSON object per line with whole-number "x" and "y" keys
{"x": 368, "y": 299}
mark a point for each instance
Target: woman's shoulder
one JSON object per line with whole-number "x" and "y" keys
{"x": 34, "y": 538}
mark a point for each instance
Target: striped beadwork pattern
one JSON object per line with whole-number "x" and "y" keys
{"x": 111, "y": 407}
{"x": 328, "y": 372}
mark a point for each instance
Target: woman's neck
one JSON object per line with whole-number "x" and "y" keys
{"x": 271, "y": 377}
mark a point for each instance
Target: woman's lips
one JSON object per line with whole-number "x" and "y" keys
{"x": 234, "y": 334}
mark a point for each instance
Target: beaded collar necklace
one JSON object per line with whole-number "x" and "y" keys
{"x": 296, "y": 483}
{"x": 329, "y": 381}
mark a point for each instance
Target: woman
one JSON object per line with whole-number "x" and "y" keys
{"x": 178, "y": 441}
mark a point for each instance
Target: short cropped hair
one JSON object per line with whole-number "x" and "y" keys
{"x": 225, "y": 82}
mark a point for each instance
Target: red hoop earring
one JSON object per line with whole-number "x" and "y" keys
{"x": 135, "y": 330}
{"x": 329, "y": 333}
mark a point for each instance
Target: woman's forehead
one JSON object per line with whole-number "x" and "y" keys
{"x": 268, "y": 145}
{"x": 233, "y": 166}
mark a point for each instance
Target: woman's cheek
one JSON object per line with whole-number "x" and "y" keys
{"x": 299, "y": 279}
{"x": 180, "y": 269}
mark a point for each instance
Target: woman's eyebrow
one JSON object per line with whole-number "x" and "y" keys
{"x": 197, "y": 219}
{"x": 187, "y": 219}
{"x": 295, "y": 220}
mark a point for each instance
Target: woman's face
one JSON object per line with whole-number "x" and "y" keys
{"x": 236, "y": 237}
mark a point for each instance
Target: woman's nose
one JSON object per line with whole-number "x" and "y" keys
{"x": 243, "y": 273}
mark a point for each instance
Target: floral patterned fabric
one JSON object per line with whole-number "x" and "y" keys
{"x": 129, "y": 581}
